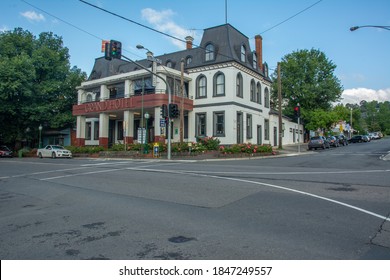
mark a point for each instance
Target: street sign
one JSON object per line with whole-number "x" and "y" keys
{"x": 162, "y": 122}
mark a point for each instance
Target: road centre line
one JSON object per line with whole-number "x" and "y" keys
{"x": 275, "y": 187}
{"x": 84, "y": 166}
{"x": 104, "y": 171}
{"x": 285, "y": 173}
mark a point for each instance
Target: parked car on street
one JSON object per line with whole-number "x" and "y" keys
{"x": 5, "y": 151}
{"x": 318, "y": 142}
{"x": 333, "y": 141}
{"x": 375, "y": 135}
{"x": 54, "y": 151}
{"x": 358, "y": 139}
{"x": 367, "y": 137}
{"x": 342, "y": 139}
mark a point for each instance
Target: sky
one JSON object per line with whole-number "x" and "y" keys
{"x": 362, "y": 57}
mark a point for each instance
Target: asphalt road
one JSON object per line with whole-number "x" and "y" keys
{"x": 332, "y": 204}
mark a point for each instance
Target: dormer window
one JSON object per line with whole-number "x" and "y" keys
{"x": 188, "y": 60}
{"x": 243, "y": 52}
{"x": 169, "y": 64}
{"x": 209, "y": 52}
{"x": 254, "y": 60}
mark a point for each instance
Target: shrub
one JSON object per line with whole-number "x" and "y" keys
{"x": 246, "y": 148}
{"x": 85, "y": 149}
{"x": 211, "y": 143}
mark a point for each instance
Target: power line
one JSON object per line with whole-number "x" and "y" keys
{"x": 145, "y": 26}
{"x": 293, "y": 16}
{"x": 72, "y": 25}
{"x": 132, "y": 21}
{"x": 66, "y": 22}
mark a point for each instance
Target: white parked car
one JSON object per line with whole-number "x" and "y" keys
{"x": 54, "y": 151}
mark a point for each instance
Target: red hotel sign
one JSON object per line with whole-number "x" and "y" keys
{"x": 131, "y": 103}
{"x": 108, "y": 105}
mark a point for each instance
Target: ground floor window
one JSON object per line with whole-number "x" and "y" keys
{"x": 96, "y": 131}
{"x": 266, "y": 129}
{"x": 200, "y": 124}
{"x": 120, "y": 130}
{"x": 248, "y": 126}
{"x": 88, "y": 130}
{"x": 219, "y": 124}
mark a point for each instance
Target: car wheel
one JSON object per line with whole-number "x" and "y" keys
{"x": 40, "y": 155}
{"x": 53, "y": 155}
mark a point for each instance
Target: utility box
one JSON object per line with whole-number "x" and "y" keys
{"x": 156, "y": 150}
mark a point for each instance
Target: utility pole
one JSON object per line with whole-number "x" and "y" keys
{"x": 299, "y": 127}
{"x": 280, "y": 108}
{"x": 182, "y": 101}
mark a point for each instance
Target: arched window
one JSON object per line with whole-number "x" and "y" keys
{"x": 239, "y": 90}
{"x": 253, "y": 93}
{"x": 266, "y": 98}
{"x": 89, "y": 97}
{"x": 169, "y": 64}
{"x": 209, "y": 52}
{"x": 243, "y": 52}
{"x": 219, "y": 84}
{"x": 258, "y": 92}
{"x": 188, "y": 60}
{"x": 201, "y": 87}
{"x": 254, "y": 60}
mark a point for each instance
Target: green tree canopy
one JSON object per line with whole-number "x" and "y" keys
{"x": 37, "y": 84}
{"x": 307, "y": 78}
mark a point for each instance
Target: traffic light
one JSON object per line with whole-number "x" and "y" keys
{"x": 113, "y": 49}
{"x": 116, "y": 49}
{"x": 107, "y": 52}
{"x": 164, "y": 111}
{"x": 297, "y": 111}
{"x": 173, "y": 111}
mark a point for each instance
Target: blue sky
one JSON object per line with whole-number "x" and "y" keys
{"x": 362, "y": 57}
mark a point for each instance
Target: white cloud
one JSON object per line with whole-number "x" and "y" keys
{"x": 4, "y": 28}
{"x": 356, "y": 95}
{"x": 33, "y": 16}
{"x": 161, "y": 20}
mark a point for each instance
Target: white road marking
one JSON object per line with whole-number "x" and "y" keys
{"x": 208, "y": 174}
{"x": 104, "y": 171}
{"x": 276, "y": 187}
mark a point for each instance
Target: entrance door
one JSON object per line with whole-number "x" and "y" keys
{"x": 239, "y": 128}
{"x": 259, "y": 135}
{"x": 111, "y": 133}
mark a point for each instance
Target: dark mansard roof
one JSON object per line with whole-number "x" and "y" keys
{"x": 227, "y": 42}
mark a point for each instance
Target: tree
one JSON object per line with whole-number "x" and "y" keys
{"x": 320, "y": 119}
{"x": 37, "y": 85}
{"x": 307, "y": 78}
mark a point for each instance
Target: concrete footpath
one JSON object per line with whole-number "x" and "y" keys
{"x": 288, "y": 150}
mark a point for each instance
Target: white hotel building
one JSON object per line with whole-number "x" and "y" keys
{"x": 226, "y": 95}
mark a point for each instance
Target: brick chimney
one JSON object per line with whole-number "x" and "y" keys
{"x": 189, "y": 41}
{"x": 259, "y": 51}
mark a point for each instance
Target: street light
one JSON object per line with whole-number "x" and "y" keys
{"x": 40, "y": 136}
{"x": 150, "y": 57}
{"x": 353, "y": 28}
{"x": 146, "y": 116}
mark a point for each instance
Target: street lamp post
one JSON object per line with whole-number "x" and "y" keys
{"x": 40, "y": 136}
{"x": 155, "y": 60}
{"x": 353, "y": 28}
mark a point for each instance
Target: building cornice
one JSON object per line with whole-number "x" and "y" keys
{"x": 234, "y": 64}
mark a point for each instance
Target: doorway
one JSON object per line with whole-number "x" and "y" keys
{"x": 239, "y": 128}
